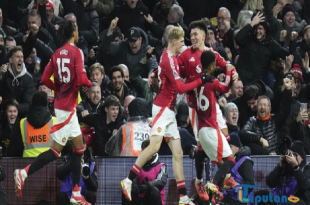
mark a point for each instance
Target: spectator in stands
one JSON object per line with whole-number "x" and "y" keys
{"x": 9, "y": 128}
{"x": 236, "y": 90}
{"x": 225, "y": 32}
{"x": 125, "y": 71}
{"x": 16, "y": 82}
{"x": 88, "y": 180}
{"x": 97, "y": 74}
{"x": 246, "y": 13}
{"x": 91, "y": 103}
{"x": 9, "y": 43}
{"x": 50, "y": 96}
{"x": 247, "y": 103}
{"x": 106, "y": 122}
{"x": 3, "y": 52}
{"x": 51, "y": 17}
{"x": 304, "y": 47}
{"x": 129, "y": 51}
{"x": 127, "y": 101}
{"x": 260, "y": 133}
{"x": 127, "y": 141}
{"x": 86, "y": 18}
{"x": 291, "y": 175}
{"x": 118, "y": 87}
{"x": 243, "y": 171}
{"x": 231, "y": 115}
{"x": 149, "y": 187}
{"x": 252, "y": 38}
{"x": 35, "y": 129}
{"x": 161, "y": 11}
{"x": 131, "y": 14}
{"x": 3, "y": 196}
{"x": 32, "y": 63}
{"x": 300, "y": 129}
{"x": 104, "y": 7}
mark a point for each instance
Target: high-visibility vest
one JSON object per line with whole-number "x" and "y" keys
{"x": 134, "y": 133}
{"x": 35, "y": 140}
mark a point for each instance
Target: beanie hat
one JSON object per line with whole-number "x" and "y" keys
{"x": 228, "y": 107}
{"x": 39, "y": 99}
{"x": 210, "y": 27}
{"x": 182, "y": 112}
{"x": 207, "y": 58}
{"x": 298, "y": 147}
{"x": 50, "y": 4}
{"x": 287, "y": 8}
{"x": 297, "y": 72}
{"x": 234, "y": 139}
{"x": 138, "y": 107}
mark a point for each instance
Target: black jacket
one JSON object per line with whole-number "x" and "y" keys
{"x": 255, "y": 55}
{"x": 131, "y": 17}
{"x": 87, "y": 18}
{"x": 268, "y": 129}
{"x": 103, "y": 131}
{"x": 3, "y": 196}
{"x": 301, "y": 131}
{"x": 128, "y": 90}
{"x": 86, "y": 104}
{"x": 20, "y": 88}
{"x": 302, "y": 177}
{"x": 7, "y": 137}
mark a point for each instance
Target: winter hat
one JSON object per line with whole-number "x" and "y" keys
{"x": 210, "y": 27}
{"x": 138, "y": 107}
{"x": 39, "y": 99}
{"x": 228, "y": 107}
{"x": 298, "y": 147}
{"x": 297, "y": 72}
{"x": 207, "y": 58}
{"x": 234, "y": 139}
{"x": 287, "y": 8}
{"x": 50, "y": 4}
{"x": 182, "y": 112}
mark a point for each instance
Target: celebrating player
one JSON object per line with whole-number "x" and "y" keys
{"x": 67, "y": 66}
{"x": 191, "y": 69}
{"x": 164, "y": 122}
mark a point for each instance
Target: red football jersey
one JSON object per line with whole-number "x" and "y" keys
{"x": 170, "y": 82}
{"x": 67, "y": 66}
{"x": 206, "y": 101}
{"x": 191, "y": 69}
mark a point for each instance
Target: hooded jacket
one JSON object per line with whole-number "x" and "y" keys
{"x": 19, "y": 87}
{"x": 103, "y": 131}
{"x": 255, "y": 56}
{"x": 122, "y": 51}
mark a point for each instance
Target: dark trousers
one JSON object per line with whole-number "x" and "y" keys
{"x": 152, "y": 197}
{"x": 63, "y": 199}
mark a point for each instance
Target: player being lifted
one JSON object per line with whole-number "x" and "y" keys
{"x": 164, "y": 122}
{"x": 67, "y": 66}
{"x": 191, "y": 69}
{"x": 212, "y": 140}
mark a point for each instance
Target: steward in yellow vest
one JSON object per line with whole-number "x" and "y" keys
{"x": 35, "y": 129}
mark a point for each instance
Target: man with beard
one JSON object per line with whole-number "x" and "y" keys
{"x": 91, "y": 103}
{"x": 118, "y": 86}
{"x": 16, "y": 82}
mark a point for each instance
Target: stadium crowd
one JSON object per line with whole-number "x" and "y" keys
{"x": 267, "y": 41}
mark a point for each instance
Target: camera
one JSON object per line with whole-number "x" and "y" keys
{"x": 285, "y": 145}
{"x": 85, "y": 170}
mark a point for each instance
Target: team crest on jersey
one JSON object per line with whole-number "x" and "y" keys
{"x": 159, "y": 129}
{"x": 64, "y": 52}
{"x": 198, "y": 69}
{"x": 63, "y": 139}
{"x": 175, "y": 74}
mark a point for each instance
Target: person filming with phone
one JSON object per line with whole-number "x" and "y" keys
{"x": 292, "y": 174}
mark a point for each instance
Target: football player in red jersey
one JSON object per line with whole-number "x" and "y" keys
{"x": 191, "y": 69}
{"x": 67, "y": 66}
{"x": 164, "y": 122}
